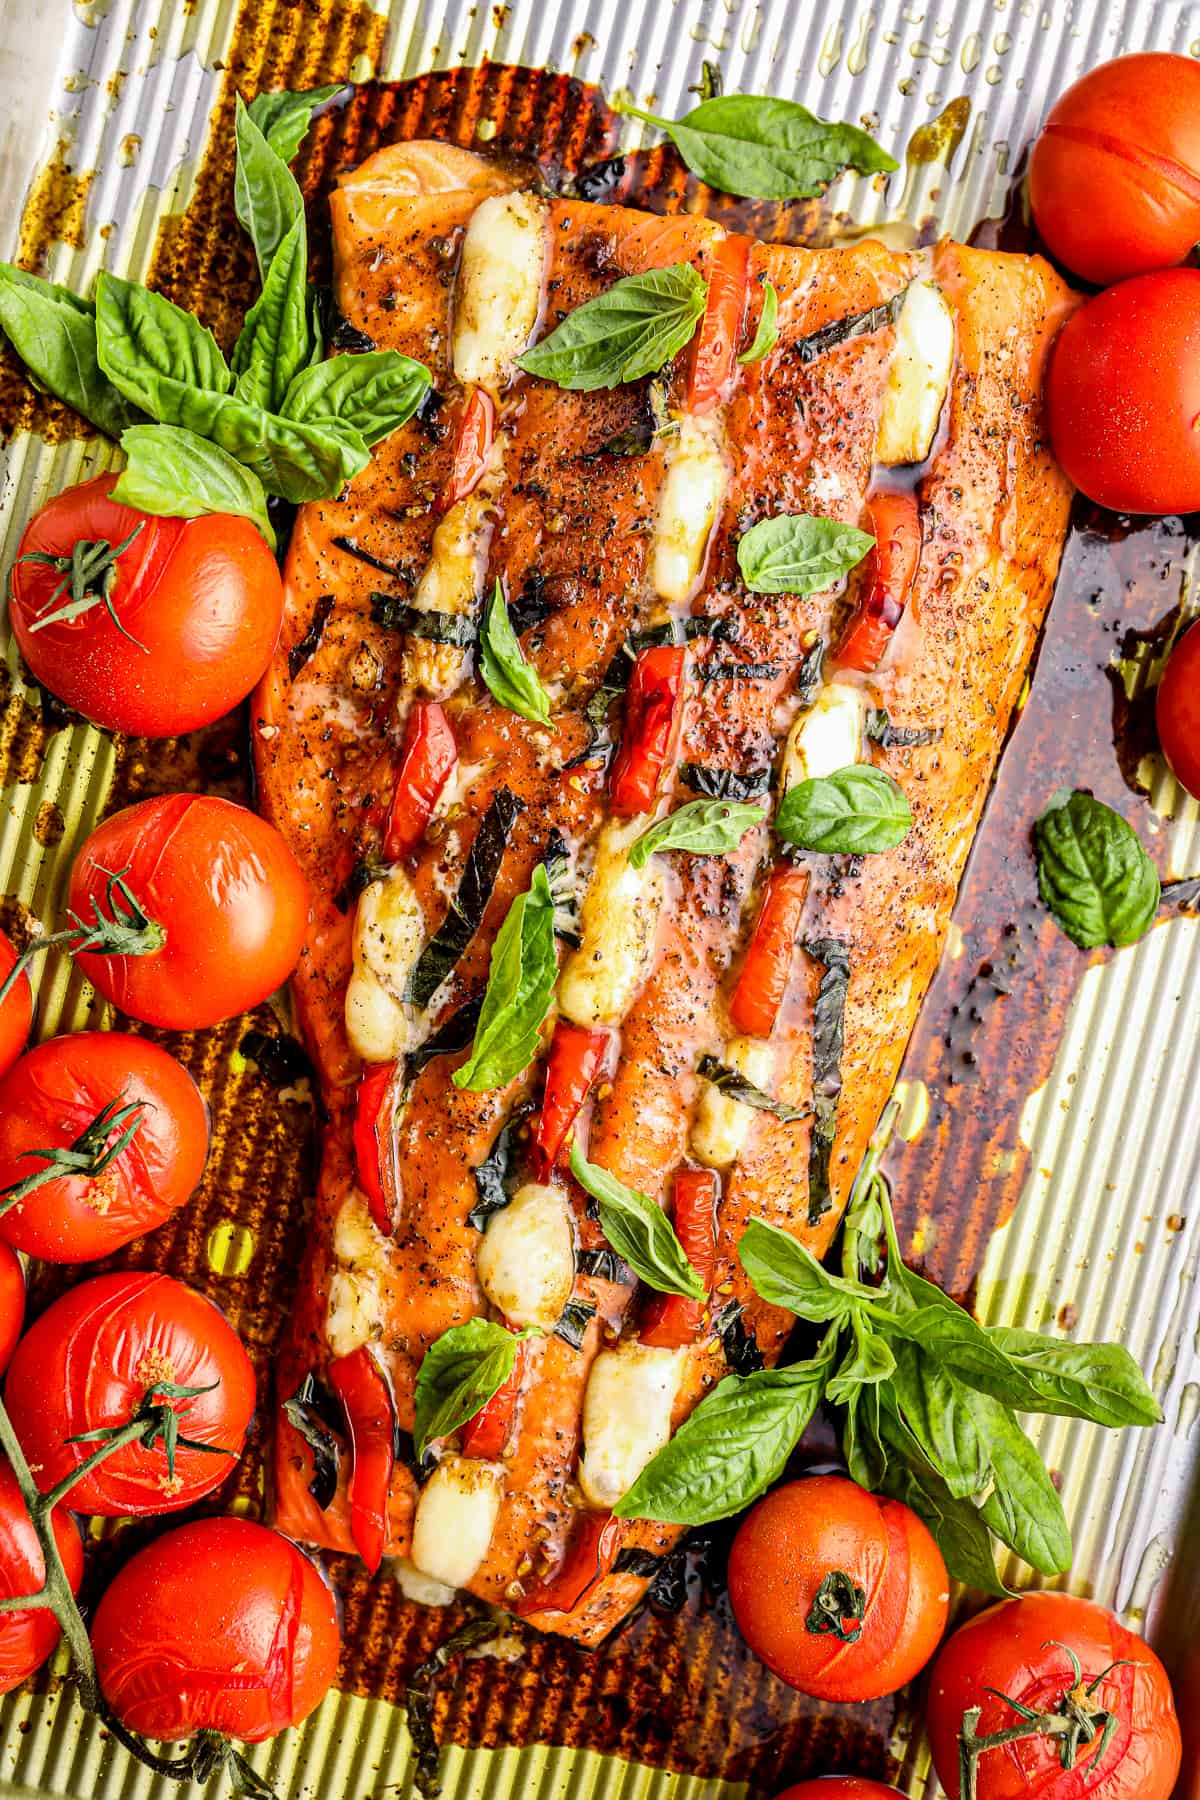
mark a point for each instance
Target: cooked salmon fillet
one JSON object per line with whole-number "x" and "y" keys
{"x": 559, "y": 515}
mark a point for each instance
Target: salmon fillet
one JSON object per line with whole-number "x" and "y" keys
{"x": 558, "y": 517}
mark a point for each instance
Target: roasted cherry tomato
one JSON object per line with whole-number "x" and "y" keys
{"x": 653, "y": 713}
{"x": 427, "y": 760}
{"x": 1053, "y": 1654}
{"x": 840, "y": 1787}
{"x": 93, "y": 1089}
{"x": 12, "y": 1303}
{"x": 16, "y": 1009}
{"x": 1123, "y": 395}
{"x": 673, "y": 1320}
{"x": 763, "y": 978}
{"x": 472, "y": 447}
{"x": 571, "y": 1067}
{"x": 88, "y": 1363}
{"x": 714, "y": 362}
{"x": 362, "y": 1387}
{"x": 589, "y": 1555}
{"x": 488, "y": 1432}
{"x": 224, "y": 891}
{"x": 219, "y": 1625}
{"x": 1178, "y": 710}
{"x": 28, "y": 1638}
{"x": 178, "y": 617}
{"x": 842, "y": 1593}
{"x": 888, "y": 575}
{"x": 1114, "y": 178}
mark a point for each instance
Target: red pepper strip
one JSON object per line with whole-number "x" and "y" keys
{"x": 572, "y": 1066}
{"x": 762, "y": 983}
{"x": 427, "y": 760}
{"x": 672, "y": 1320}
{"x": 360, "y": 1385}
{"x": 368, "y": 1102}
{"x": 887, "y": 581}
{"x": 487, "y": 1433}
{"x": 590, "y": 1554}
{"x": 653, "y": 712}
{"x": 476, "y": 430}
{"x": 715, "y": 362}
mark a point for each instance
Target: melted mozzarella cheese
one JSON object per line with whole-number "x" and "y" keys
{"x": 918, "y": 378}
{"x": 526, "y": 1257}
{"x": 722, "y": 1124}
{"x": 354, "y": 1311}
{"x": 826, "y": 737}
{"x": 452, "y": 582}
{"x": 389, "y": 934}
{"x": 618, "y": 922}
{"x": 498, "y": 293}
{"x": 456, "y": 1515}
{"x": 688, "y": 506}
{"x": 626, "y": 1416}
{"x": 415, "y": 1585}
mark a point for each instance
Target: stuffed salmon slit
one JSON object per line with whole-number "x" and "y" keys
{"x": 724, "y": 1027}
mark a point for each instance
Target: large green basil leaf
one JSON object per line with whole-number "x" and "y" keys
{"x": 266, "y": 196}
{"x": 174, "y": 473}
{"x": 274, "y": 344}
{"x": 856, "y": 811}
{"x": 458, "y": 1375}
{"x": 796, "y": 553}
{"x": 632, "y": 330}
{"x": 283, "y": 118}
{"x": 372, "y": 393}
{"x": 957, "y": 1526}
{"x": 159, "y": 356}
{"x": 784, "y": 1273}
{"x": 1023, "y": 1507}
{"x": 1100, "y": 1382}
{"x": 295, "y": 459}
{"x": 639, "y": 1231}
{"x": 520, "y": 989}
{"x": 54, "y": 334}
{"x": 704, "y": 827}
{"x": 938, "y": 1411}
{"x": 1093, "y": 873}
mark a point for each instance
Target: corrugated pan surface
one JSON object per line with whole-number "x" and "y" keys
{"x": 107, "y": 119}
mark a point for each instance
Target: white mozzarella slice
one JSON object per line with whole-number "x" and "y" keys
{"x": 456, "y": 1516}
{"x": 354, "y": 1311}
{"x": 826, "y": 737}
{"x": 498, "y": 293}
{"x": 422, "y": 1589}
{"x": 919, "y": 376}
{"x": 526, "y": 1257}
{"x": 389, "y": 934}
{"x": 618, "y": 921}
{"x": 722, "y": 1124}
{"x": 691, "y": 498}
{"x": 626, "y": 1416}
{"x": 452, "y": 582}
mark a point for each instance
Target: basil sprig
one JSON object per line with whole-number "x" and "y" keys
{"x": 172, "y": 471}
{"x": 632, "y": 330}
{"x": 853, "y": 812}
{"x": 54, "y": 334}
{"x": 510, "y": 679}
{"x": 795, "y": 553}
{"x": 639, "y": 1231}
{"x": 766, "y": 334}
{"x": 459, "y": 1373}
{"x": 520, "y": 989}
{"x": 765, "y": 149}
{"x": 1093, "y": 872}
{"x": 705, "y": 827}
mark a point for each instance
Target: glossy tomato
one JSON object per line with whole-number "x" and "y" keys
{"x": 87, "y": 1364}
{"x": 48, "y": 1102}
{"x": 12, "y": 1303}
{"x": 28, "y": 1638}
{"x": 16, "y": 1010}
{"x": 221, "y": 1625}
{"x": 1114, "y": 179}
{"x": 226, "y": 892}
{"x": 1123, "y": 395}
{"x": 839, "y": 1787}
{"x": 1178, "y": 710}
{"x": 840, "y": 1592}
{"x": 1022, "y": 1649}
{"x": 182, "y": 622}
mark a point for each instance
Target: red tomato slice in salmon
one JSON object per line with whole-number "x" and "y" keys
{"x": 715, "y": 362}
{"x": 476, "y": 430}
{"x": 888, "y": 577}
{"x": 427, "y": 760}
{"x": 653, "y": 710}
{"x": 672, "y": 1320}
{"x": 762, "y": 983}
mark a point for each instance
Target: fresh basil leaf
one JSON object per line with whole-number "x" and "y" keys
{"x": 632, "y": 330}
{"x": 465, "y": 913}
{"x": 266, "y": 196}
{"x": 54, "y": 334}
{"x": 296, "y": 459}
{"x": 703, "y": 827}
{"x": 784, "y": 1273}
{"x": 795, "y": 553}
{"x": 766, "y": 149}
{"x": 459, "y": 1373}
{"x": 958, "y": 1530}
{"x": 737, "y": 1086}
{"x": 862, "y": 1442}
{"x": 856, "y": 811}
{"x": 766, "y": 334}
{"x": 284, "y": 118}
{"x": 828, "y": 1042}
{"x": 870, "y": 1363}
{"x": 160, "y": 357}
{"x": 853, "y": 325}
{"x": 274, "y": 343}
{"x": 1023, "y": 1508}
{"x": 172, "y": 472}
{"x": 520, "y": 989}
{"x": 1093, "y": 873}
{"x": 512, "y": 681}
{"x": 372, "y": 394}
{"x": 495, "y": 1176}
{"x": 939, "y": 1412}
{"x": 639, "y": 1231}
{"x": 725, "y": 784}
{"x": 1101, "y": 1382}
{"x": 880, "y": 730}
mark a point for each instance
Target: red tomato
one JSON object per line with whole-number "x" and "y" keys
{"x": 839, "y": 1787}
{"x": 1178, "y": 710}
{"x": 12, "y": 1303}
{"x": 220, "y": 1625}
{"x": 202, "y": 597}
{"x": 653, "y": 713}
{"x": 1123, "y": 395}
{"x": 673, "y": 1320}
{"x": 888, "y": 574}
{"x": 763, "y": 981}
{"x": 1021, "y": 1649}
{"x": 28, "y": 1638}
{"x": 488, "y": 1432}
{"x": 16, "y": 1010}
{"x": 714, "y": 362}
{"x": 1114, "y": 179}
{"x": 589, "y": 1555}
{"x": 49, "y": 1100}
{"x": 225, "y": 889}
{"x": 472, "y": 448}
{"x": 842, "y": 1593}
{"x": 88, "y": 1362}
{"x": 428, "y": 758}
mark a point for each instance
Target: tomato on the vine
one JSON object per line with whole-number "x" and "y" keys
{"x": 1049, "y": 1657}
{"x": 225, "y": 892}
{"x": 93, "y": 1358}
{"x": 28, "y": 1638}
{"x": 166, "y": 624}
{"x": 1177, "y": 710}
{"x": 842, "y": 1593}
{"x": 48, "y": 1102}
{"x": 16, "y": 1009}
{"x": 220, "y": 1625}
{"x": 12, "y": 1303}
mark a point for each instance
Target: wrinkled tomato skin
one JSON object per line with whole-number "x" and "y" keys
{"x": 220, "y": 1625}
{"x": 51, "y": 1096}
{"x": 203, "y": 596}
{"x": 839, "y": 1787}
{"x": 225, "y": 888}
{"x": 28, "y": 1638}
{"x": 16, "y": 1013}
{"x": 1123, "y": 395}
{"x": 86, "y": 1363}
{"x": 1114, "y": 178}
{"x": 1178, "y": 711}
{"x": 12, "y": 1303}
{"x": 795, "y": 1537}
{"x": 1015, "y": 1648}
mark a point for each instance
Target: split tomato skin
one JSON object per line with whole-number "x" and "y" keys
{"x": 16, "y": 1012}
{"x": 28, "y": 1638}
{"x": 220, "y": 1625}
{"x": 203, "y": 597}
{"x": 12, "y": 1303}
{"x": 1177, "y": 711}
